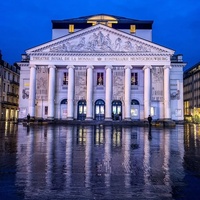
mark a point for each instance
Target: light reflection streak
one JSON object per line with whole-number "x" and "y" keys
{"x": 107, "y": 155}
{"x": 64, "y": 159}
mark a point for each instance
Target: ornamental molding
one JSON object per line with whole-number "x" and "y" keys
{"x": 178, "y": 65}
{"x": 97, "y": 54}
{"x": 101, "y": 58}
{"x": 23, "y": 64}
{"x": 99, "y": 39}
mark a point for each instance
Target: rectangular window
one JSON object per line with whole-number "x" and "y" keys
{"x": 65, "y": 78}
{"x": 46, "y": 110}
{"x": 134, "y": 78}
{"x": 71, "y": 28}
{"x": 132, "y": 28}
{"x": 100, "y": 78}
{"x": 152, "y": 111}
{"x": 134, "y": 112}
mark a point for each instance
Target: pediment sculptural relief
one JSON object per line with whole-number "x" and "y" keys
{"x": 100, "y": 42}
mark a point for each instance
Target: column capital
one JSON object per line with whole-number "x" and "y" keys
{"x": 52, "y": 66}
{"x": 147, "y": 67}
{"x": 70, "y": 66}
{"x": 167, "y": 67}
{"x": 128, "y": 67}
{"x": 89, "y": 67}
{"x": 108, "y": 67}
{"x": 32, "y": 66}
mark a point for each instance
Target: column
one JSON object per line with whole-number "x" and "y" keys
{"x": 70, "y": 95}
{"x": 51, "y": 93}
{"x": 167, "y": 109}
{"x": 32, "y": 90}
{"x": 127, "y": 114}
{"x": 108, "y": 114}
{"x": 147, "y": 89}
{"x": 89, "y": 115}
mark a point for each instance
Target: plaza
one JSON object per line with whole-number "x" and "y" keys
{"x": 99, "y": 162}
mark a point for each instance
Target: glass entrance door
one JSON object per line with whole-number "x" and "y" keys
{"x": 81, "y": 110}
{"x": 99, "y": 110}
{"x": 117, "y": 110}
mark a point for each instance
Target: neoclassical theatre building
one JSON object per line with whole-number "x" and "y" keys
{"x": 101, "y": 67}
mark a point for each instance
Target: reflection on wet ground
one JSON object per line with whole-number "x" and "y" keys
{"x": 99, "y": 162}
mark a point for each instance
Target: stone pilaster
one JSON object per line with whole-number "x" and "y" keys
{"x": 108, "y": 114}
{"x": 70, "y": 95}
{"x": 51, "y": 91}
{"x": 147, "y": 90}
{"x": 127, "y": 88}
{"x": 167, "y": 107}
{"x": 32, "y": 90}
{"x": 89, "y": 101}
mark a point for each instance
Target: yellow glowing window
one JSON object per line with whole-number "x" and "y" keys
{"x": 109, "y": 24}
{"x": 132, "y": 28}
{"x": 71, "y": 28}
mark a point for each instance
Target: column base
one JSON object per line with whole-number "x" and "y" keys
{"x": 127, "y": 119}
{"x": 88, "y": 118}
{"x": 50, "y": 118}
{"x": 70, "y": 118}
{"x": 108, "y": 119}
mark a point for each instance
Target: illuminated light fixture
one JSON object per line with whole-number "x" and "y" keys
{"x": 71, "y": 28}
{"x": 132, "y": 28}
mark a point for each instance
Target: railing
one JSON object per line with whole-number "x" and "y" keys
{"x": 12, "y": 94}
{"x": 14, "y": 82}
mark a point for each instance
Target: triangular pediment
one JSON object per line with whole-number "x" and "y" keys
{"x": 99, "y": 38}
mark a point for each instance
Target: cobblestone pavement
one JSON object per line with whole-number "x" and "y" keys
{"x": 99, "y": 162}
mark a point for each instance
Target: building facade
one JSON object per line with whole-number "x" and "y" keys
{"x": 192, "y": 94}
{"x": 101, "y": 67}
{"x": 9, "y": 90}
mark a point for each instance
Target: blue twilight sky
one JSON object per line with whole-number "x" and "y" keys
{"x": 27, "y": 23}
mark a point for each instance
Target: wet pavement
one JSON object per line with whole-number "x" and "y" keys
{"x": 99, "y": 162}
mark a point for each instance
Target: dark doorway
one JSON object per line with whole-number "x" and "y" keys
{"x": 116, "y": 110}
{"x": 81, "y": 110}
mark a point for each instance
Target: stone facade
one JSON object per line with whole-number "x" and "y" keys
{"x": 102, "y": 73}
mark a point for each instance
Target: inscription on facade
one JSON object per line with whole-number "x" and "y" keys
{"x": 102, "y": 59}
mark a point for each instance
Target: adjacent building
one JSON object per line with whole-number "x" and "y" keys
{"x": 9, "y": 90}
{"x": 192, "y": 94}
{"x": 101, "y": 67}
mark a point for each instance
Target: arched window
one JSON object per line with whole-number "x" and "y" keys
{"x": 64, "y": 101}
{"x": 135, "y": 102}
